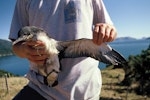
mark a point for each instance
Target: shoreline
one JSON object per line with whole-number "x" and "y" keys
{"x": 4, "y": 55}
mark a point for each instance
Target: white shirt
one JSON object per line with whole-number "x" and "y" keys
{"x": 80, "y": 78}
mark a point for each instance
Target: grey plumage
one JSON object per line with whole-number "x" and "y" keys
{"x": 86, "y": 48}
{"x": 67, "y": 49}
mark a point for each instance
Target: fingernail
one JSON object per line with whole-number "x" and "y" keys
{"x": 96, "y": 29}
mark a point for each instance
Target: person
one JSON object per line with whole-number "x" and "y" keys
{"x": 80, "y": 78}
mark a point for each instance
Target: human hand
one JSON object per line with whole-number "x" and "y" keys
{"x": 34, "y": 51}
{"x": 104, "y": 33}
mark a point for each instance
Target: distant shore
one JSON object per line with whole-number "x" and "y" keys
{"x": 9, "y": 54}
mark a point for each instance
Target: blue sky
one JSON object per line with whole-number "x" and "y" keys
{"x": 131, "y": 17}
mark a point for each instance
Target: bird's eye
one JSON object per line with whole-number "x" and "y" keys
{"x": 28, "y": 33}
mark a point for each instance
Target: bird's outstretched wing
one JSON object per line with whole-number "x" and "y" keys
{"x": 86, "y": 48}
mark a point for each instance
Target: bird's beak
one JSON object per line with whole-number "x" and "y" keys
{"x": 23, "y": 38}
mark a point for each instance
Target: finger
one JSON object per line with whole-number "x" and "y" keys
{"x": 112, "y": 36}
{"x": 107, "y": 34}
{"x": 38, "y": 59}
{"x": 39, "y": 62}
{"x": 35, "y": 43}
{"x": 101, "y": 34}
{"x": 95, "y": 34}
{"x": 27, "y": 50}
{"x": 31, "y": 51}
{"x": 34, "y": 46}
{"x": 37, "y": 51}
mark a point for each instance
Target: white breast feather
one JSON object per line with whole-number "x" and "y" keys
{"x": 52, "y": 62}
{"x": 50, "y": 43}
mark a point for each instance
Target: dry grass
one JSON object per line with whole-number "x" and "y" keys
{"x": 110, "y": 89}
{"x": 15, "y": 84}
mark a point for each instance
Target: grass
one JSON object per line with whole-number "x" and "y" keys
{"x": 15, "y": 84}
{"x": 110, "y": 88}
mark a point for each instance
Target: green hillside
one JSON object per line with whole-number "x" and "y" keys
{"x": 5, "y": 47}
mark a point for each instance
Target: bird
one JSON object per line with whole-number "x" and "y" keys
{"x": 58, "y": 50}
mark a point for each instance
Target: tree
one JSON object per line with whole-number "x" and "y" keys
{"x": 137, "y": 70}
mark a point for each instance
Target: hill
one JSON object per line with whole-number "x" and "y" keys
{"x": 125, "y": 39}
{"x": 120, "y": 39}
{"x": 5, "y": 47}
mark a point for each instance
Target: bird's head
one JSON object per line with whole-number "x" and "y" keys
{"x": 30, "y": 33}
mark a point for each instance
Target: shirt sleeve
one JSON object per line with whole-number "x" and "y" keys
{"x": 100, "y": 13}
{"x": 20, "y": 18}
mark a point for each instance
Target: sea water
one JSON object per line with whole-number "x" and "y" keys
{"x": 20, "y": 66}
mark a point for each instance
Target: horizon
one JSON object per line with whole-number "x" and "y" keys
{"x": 129, "y": 37}
{"x": 130, "y": 17}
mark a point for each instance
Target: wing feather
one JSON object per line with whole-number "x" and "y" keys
{"x": 86, "y": 48}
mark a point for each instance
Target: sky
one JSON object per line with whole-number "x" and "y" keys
{"x": 130, "y": 17}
